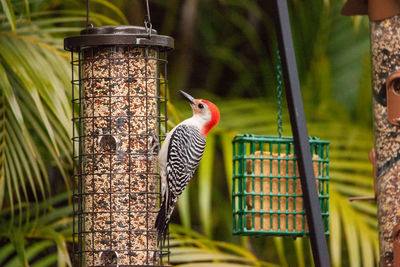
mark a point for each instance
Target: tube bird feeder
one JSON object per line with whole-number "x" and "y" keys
{"x": 119, "y": 78}
{"x": 385, "y": 57}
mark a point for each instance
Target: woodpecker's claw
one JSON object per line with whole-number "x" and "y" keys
{"x": 155, "y": 145}
{"x": 155, "y": 257}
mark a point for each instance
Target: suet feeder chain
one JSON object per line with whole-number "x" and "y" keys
{"x": 119, "y": 83}
{"x": 273, "y": 189}
{"x": 267, "y": 197}
{"x": 279, "y": 93}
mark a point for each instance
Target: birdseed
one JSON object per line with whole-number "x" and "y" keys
{"x": 119, "y": 173}
{"x": 385, "y": 53}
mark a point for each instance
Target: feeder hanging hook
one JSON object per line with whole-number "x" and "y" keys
{"x": 88, "y": 24}
{"x": 147, "y": 20}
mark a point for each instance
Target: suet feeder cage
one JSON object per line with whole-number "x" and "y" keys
{"x": 119, "y": 99}
{"x": 267, "y": 195}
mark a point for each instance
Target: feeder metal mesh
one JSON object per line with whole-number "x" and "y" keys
{"x": 120, "y": 117}
{"x": 267, "y": 196}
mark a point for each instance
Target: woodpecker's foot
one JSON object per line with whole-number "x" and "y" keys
{"x": 155, "y": 257}
{"x": 154, "y": 145}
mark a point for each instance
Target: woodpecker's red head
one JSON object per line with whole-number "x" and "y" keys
{"x": 204, "y": 111}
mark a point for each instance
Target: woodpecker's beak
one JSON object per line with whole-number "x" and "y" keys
{"x": 188, "y": 97}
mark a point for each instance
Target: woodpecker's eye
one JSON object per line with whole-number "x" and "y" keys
{"x": 201, "y": 106}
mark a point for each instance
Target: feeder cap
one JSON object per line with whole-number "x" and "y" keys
{"x": 375, "y": 9}
{"x": 118, "y": 35}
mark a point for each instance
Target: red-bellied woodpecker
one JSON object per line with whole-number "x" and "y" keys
{"x": 180, "y": 155}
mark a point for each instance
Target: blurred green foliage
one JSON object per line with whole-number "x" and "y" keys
{"x": 225, "y": 52}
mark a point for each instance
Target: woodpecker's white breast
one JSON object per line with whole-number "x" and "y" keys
{"x": 195, "y": 121}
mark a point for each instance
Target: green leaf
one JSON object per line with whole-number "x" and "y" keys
{"x": 184, "y": 207}
{"x": 351, "y": 230}
{"x": 10, "y": 96}
{"x": 32, "y": 251}
{"x": 335, "y": 233}
{"x": 189, "y": 247}
{"x": 366, "y": 250}
{"x": 18, "y": 241}
{"x": 5, "y": 252}
{"x": 202, "y": 255}
{"x": 48, "y": 260}
{"x": 206, "y": 184}
{"x": 207, "y": 264}
{"x": 113, "y": 8}
{"x": 15, "y": 183}
{"x": 298, "y": 244}
{"x": 278, "y": 241}
{"x": 9, "y": 11}
{"x": 63, "y": 256}
{"x": 226, "y": 140}
{"x": 27, "y": 10}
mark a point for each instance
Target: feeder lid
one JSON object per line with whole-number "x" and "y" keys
{"x": 376, "y": 9}
{"x": 118, "y": 35}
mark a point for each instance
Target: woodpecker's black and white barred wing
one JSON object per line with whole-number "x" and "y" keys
{"x": 185, "y": 150}
{"x": 184, "y": 154}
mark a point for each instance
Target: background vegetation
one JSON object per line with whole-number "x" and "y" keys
{"x": 225, "y": 51}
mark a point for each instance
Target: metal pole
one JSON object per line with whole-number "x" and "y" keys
{"x": 300, "y": 134}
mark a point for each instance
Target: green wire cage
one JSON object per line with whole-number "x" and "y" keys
{"x": 266, "y": 193}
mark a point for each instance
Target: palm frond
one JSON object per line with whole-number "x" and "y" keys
{"x": 35, "y": 124}
{"x": 29, "y": 245}
{"x": 189, "y": 248}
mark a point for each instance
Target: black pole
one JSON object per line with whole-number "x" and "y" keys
{"x": 300, "y": 134}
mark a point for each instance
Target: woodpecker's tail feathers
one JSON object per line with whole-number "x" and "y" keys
{"x": 162, "y": 222}
{"x": 164, "y": 215}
